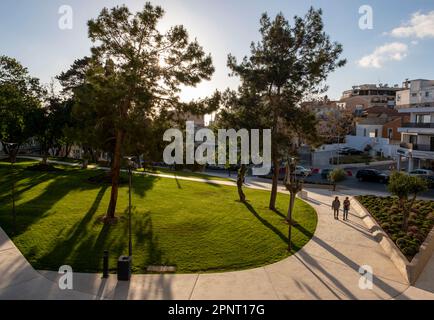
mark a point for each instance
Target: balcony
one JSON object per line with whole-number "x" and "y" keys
{"x": 418, "y": 125}
{"x": 418, "y": 147}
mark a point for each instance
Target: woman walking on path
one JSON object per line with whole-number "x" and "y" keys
{"x": 336, "y": 204}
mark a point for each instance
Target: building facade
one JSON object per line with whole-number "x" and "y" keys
{"x": 417, "y": 135}
{"x": 417, "y": 141}
{"x": 381, "y": 122}
{"x": 416, "y": 93}
{"x": 365, "y": 96}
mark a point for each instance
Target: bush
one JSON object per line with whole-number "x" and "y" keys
{"x": 337, "y": 175}
{"x": 389, "y": 216}
{"x": 413, "y": 229}
{"x": 385, "y": 226}
{"x": 410, "y": 251}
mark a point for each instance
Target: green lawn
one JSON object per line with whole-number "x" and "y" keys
{"x": 194, "y": 226}
{"x": 187, "y": 174}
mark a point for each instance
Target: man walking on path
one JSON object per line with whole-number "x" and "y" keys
{"x": 347, "y": 205}
{"x": 336, "y": 204}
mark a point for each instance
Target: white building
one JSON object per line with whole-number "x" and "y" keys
{"x": 417, "y": 93}
{"x": 417, "y": 136}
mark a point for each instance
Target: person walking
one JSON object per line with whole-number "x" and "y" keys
{"x": 336, "y": 204}
{"x": 347, "y": 205}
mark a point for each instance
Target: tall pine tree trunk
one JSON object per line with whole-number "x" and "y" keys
{"x": 273, "y": 194}
{"x": 115, "y": 173}
{"x": 45, "y": 156}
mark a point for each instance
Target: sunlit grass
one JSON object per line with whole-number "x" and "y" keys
{"x": 193, "y": 226}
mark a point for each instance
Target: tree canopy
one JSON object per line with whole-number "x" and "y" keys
{"x": 20, "y": 99}
{"x": 287, "y": 64}
{"x": 133, "y": 77}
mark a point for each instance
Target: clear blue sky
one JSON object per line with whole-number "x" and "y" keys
{"x": 29, "y": 32}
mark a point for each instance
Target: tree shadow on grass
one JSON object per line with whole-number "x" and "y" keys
{"x": 146, "y": 240}
{"x": 63, "y": 249}
{"x": 295, "y": 224}
{"x": 36, "y": 208}
{"x": 83, "y": 249}
{"x": 177, "y": 182}
{"x": 143, "y": 183}
{"x": 266, "y": 223}
{"x": 20, "y": 186}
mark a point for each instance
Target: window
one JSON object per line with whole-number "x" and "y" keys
{"x": 376, "y": 133}
{"x": 398, "y": 97}
{"x": 427, "y": 94}
{"x": 423, "y": 118}
{"x": 390, "y": 133}
{"x": 364, "y": 132}
{"x": 413, "y": 139}
{"x": 414, "y": 94}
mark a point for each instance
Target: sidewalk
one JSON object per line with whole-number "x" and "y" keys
{"x": 326, "y": 268}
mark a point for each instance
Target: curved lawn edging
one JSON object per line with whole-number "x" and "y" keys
{"x": 194, "y": 226}
{"x": 410, "y": 270}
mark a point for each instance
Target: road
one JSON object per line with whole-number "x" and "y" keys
{"x": 350, "y": 182}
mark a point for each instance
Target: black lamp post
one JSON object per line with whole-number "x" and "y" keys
{"x": 12, "y": 157}
{"x": 130, "y": 175}
{"x": 125, "y": 262}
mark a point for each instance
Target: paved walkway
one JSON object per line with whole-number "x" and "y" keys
{"x": 326, "y": 268}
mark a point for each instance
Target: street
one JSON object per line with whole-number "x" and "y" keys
{"x": 350, "y": 182}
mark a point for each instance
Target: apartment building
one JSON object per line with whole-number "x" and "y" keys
{"x": 417, "y": 135}
{"x": 365, "y": 96}
{"x": 381, "y": 122}
{"x": 417, "y": 141}
{"x": 322, "y": 108}
{"x": 416, "y": 93}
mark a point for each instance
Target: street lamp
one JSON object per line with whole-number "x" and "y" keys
{"x": 125, "y": 262}
{"x": 12, "y": 157}
{"x": 130, "y": 174}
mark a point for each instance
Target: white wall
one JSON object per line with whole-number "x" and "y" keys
{"x": 378, "y": 144}
{"x": 330, "y": 147}
{"x": 403, "y": 97}
{"x": 322, "y": 158}
{"x": 370, "y": 128}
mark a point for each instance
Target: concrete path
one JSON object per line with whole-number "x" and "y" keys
{"x": 326, "y": 268}
{"x": 424, "y": 286}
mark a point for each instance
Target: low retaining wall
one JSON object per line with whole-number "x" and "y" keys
{"x": 410, "y": 270}
{"x": 364, "y": 165}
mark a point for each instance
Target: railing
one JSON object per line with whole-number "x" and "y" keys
{"x": 418, "y": 147}
{"x": 418, "y": 125}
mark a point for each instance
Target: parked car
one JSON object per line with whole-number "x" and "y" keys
{"x": 422, "y": 173}
{"x": 349, "y": 151}
{"x": 372, "y": 175}
{"x": 302, "y": 171}
{"x": 325, "y": 173}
